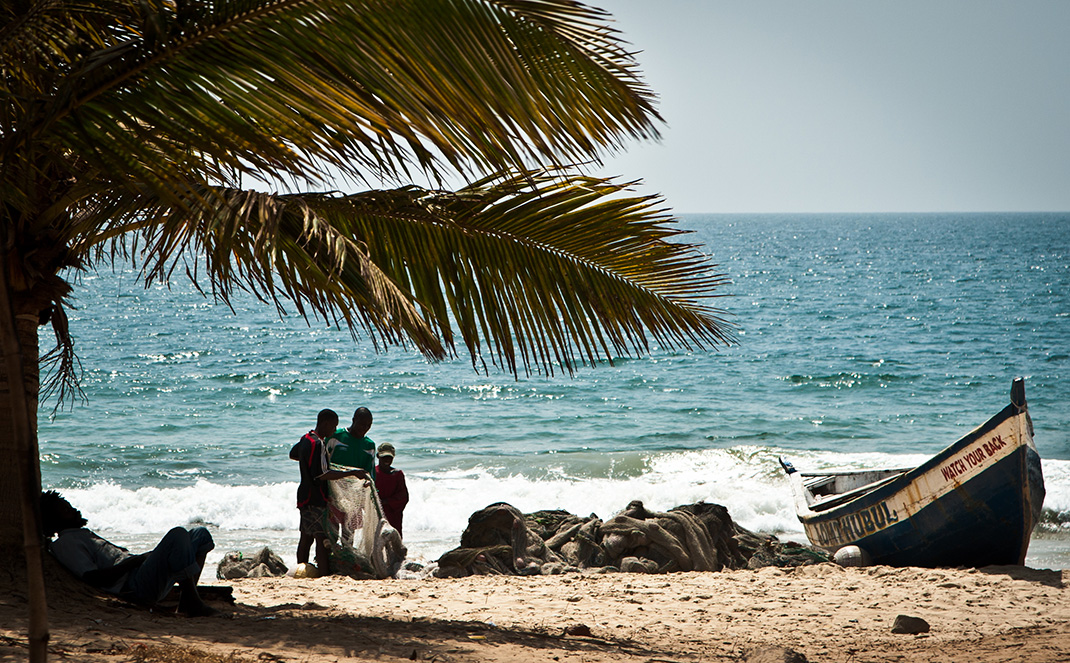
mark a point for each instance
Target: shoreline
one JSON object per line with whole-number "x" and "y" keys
{"x": 825, "y": 612}
{"x": 1047, "y": 550}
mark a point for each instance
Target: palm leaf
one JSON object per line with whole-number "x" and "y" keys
{"x": 528, "y": 271}
{"x": 275, "y": 88}
{"x": 549, "y": 270}
{"x": 144, "y": 118}
{"x": 274, "y": 246}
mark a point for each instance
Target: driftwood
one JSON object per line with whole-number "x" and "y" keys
{"x": 499, "y": 540}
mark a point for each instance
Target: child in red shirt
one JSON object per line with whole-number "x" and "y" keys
{"x": 390, "y": 484}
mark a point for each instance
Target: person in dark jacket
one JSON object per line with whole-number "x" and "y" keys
{"x": 146, "y": 578}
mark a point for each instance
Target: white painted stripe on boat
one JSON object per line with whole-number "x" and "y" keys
{"x": 968, "y": 463}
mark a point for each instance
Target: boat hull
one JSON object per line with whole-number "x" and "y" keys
{"x": 974, "y": 504}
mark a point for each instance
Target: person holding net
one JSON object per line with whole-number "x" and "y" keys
{"x": 350, "y": 448}
{"x": 363, "y": 542}
{"x": 312, "y": 494}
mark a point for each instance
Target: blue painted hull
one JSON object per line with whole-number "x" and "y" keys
{"x": 973, "y": 504}
{"x": 985, "y": 522}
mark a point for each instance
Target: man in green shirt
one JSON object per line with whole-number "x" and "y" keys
{"x": 350, "y": 447}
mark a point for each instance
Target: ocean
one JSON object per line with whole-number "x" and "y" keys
{"x": 864, "y": 340}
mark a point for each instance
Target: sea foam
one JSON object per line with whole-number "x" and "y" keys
{"x": 746, "y": 480}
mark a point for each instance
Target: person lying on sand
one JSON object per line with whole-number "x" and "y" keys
{"x": 146, "y": 578}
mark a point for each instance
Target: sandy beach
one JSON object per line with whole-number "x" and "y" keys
{"x": 824, "y": 612}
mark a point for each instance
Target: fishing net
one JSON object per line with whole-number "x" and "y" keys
{"x": 363, "y": 544}
{"x": 693, "y": 537}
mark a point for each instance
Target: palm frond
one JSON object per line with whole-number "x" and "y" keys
{"x": 537, "y": 271}
{"x": 274, "y": 88}
{"x": 531, "y": 272}
{"x": 60, "y": 366}
{"x": 276, "y": 247}
{"x": 128, "y": 128}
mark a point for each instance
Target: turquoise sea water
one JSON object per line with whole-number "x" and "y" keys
{"x": 865, "y": 340}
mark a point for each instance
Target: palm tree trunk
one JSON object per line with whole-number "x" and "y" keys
{"x": 19, "y": 387}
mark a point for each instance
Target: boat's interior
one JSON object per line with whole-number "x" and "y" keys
{"x": 827, "y": 489}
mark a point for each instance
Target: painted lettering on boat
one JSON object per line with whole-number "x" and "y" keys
{"x": 856, "y": 525}
{"x": 972, "y": 458}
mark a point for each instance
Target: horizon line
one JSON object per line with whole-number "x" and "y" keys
{"x": 872, "y": 213}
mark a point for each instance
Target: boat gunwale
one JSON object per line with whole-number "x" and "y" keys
{"x": 838, "y": 499}
{"x": 846, "y": 473}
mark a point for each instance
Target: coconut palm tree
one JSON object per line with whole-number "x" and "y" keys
{"x": 177, "y": 134}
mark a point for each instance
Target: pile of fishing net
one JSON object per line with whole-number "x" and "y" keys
{"x": 694, "y": 537}
{"x": 362, "y": 542}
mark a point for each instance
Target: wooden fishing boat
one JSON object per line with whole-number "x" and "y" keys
{"x": 973, "y": 504}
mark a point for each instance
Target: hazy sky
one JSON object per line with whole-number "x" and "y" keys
{"x": 853, "y": 106}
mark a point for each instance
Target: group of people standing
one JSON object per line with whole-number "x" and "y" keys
{"x": 327, "y": 445}
{"x": 179, "y": 558}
